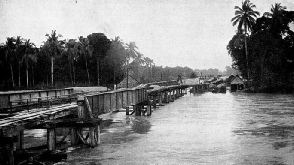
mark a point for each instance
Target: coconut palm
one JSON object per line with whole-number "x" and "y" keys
{"x": 245, "y": 20}
{"x": 19, "y": 52}
{"x": 100, "y": 45}
{"x": 117, "y": 50}
{"x": 10, "y": 56}
{"x": 279, "y": 21}
{"x": 85, "y": 50}
{"x": 29, "y": 55}
{"x": 53, "y": 48}
{"x": 131, "y": 51}
{"x": 71, "y": 48}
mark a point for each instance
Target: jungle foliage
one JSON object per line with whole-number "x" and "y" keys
{"x": 269, "y": 44}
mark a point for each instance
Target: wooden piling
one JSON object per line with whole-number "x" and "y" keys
{"x": 97, "y": 130}
{"x": 127, "y": 110}
{"x": 20, "y": 137}
{"x": 138, "y": 110}
{"x": 149, "y": 111}
{"x": 160, "y": 99}
{"x": 154, "y": 102}
{"x": 74, "y": 136}
{"x": 51, "y": 137}
{"x": 166, "y": 100}
{"x": 92, "y": 137}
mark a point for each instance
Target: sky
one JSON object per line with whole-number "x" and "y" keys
{"x": 192, "y": 33}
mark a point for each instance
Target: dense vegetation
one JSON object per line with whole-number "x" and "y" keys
{"x": 87, "y": 61}
{"x": 263, "y": 48}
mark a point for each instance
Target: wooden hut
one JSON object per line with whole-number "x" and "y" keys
{"x": 237, "y": 84}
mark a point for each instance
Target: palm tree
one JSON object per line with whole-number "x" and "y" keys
{"x": 85, "y": 49}
{"x": 100, "y": 45}
{"x": 19, "y": 52}
{"x": 53, "y": 48}
{"x": 71, "y": 47}
{"x": 117, "y": 50}
{"x": 130, "y": 53}
{"x": 277, "y": 15}
{"x": 245, "y": 19}
{"x": 29, "y": 55}
{"x": 10, "y": 55}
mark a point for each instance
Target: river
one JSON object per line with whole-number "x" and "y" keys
{"x": 225, "y": 129}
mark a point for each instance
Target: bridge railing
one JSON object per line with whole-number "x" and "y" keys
{"x": 116, "y": 100}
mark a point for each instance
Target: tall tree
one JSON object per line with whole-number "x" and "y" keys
{"x": 85, "y": 50}
{"x": 117, "y": 51}
{"x": 245, "y": 20}
{"x": 53, "y": 48}
{"x": 10, "y": 56}
{"x": 19, "y": 52}
{"x": 100, "y": 45}
{"x": 71, "y": 48}
{"x": 29, "y": 55}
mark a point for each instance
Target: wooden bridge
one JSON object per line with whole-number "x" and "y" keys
{"x": 79, "y": 112}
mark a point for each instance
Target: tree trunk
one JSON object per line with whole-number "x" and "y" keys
{"x": 87, "y": 70}
{"x": 19, "y": 74}
{"x": 27, "y": 74}
{"x": 70, "y": 72}
{"x": 33, "y": 82}
{"x": 98, "y": 72}
{"x": 114, "y": 78}
{"x": 246, "y": 52}
{"x": 52, "y": 59}
{"x": 11, "y": 70}
{"x": 73, "y": 70}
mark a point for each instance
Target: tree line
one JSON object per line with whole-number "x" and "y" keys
{"x": 263, "y": 47}
{"x": 94, "y": 60}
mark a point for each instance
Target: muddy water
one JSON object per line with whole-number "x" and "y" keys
{"x": 200, "y": 129}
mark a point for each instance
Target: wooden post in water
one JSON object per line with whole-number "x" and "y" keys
{"x": 154, "y": 102}
{"x": 172, "y": 95}
{"x": 127, "y": 110}
{"x": 160, "y": 99}
{"x": 19, "y": 144}
{"x": 137, "y": 109}
{"x": 51, "y": 137}
{"x": 74, "y": 136}
{"x": 92, "y": 137}
{"x": 166, "y": 99}
{"x": 149, "y": 111}
{"x": 98, "y": 133}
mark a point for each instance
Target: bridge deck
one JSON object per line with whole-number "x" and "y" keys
{"x": 11, "y": 126}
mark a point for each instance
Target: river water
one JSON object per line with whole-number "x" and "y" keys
{"x": 225, "y": 129}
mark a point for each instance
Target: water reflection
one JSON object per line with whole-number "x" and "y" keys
{"x": 140, "y": 125}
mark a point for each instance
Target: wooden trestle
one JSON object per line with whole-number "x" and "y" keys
{"x": 85, "y": 126}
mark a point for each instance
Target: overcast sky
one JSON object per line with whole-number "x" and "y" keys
{"x": 191, "y": 33}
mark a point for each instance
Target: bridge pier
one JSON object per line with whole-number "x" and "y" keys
{"x": 166, "y": 99}
{"x": 148, "y": 109}
{"x": 138, "y": 110}
{"x": 154, "y": 101}
{"x": 51, "y": 137}
{"x": 160, "y": 99}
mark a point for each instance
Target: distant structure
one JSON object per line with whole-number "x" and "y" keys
{"x": 179, "y": 80}
{"x": 237, "y": 84}
{"x": 132, "y": 82}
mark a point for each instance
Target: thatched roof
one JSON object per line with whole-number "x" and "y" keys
{"x": 237, "y": 80}
{"x": 132, "y": 82}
